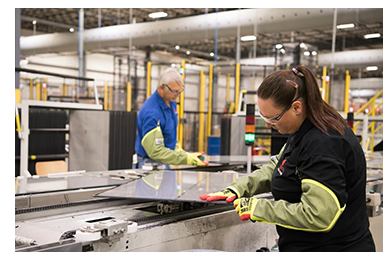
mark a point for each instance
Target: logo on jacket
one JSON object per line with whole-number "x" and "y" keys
{"x": 281, "y": 169}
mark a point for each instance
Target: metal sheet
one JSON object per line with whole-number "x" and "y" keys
{"x": 237, "y": 159}
{"x": 173, "y": 185}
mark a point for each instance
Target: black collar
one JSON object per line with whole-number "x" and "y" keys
{"x": 297, "y": 136}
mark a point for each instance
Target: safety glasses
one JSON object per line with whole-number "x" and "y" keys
{"x": 174, "y": 91}
{"x": 273, "y": 120}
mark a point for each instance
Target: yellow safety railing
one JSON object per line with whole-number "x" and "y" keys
{"x": 201, "y": 112}
{"x": 31, "y": 89}
{"x": 128, "y": 97}
{"x": 148, "y": 80}
{"x": 237, "y": 82}
{"x": 228, "y": 88}
{"x": 111, "y": 98}
{"x": 371, "y": 102}
{"x": 106, "y": 95}
{"x": 346, "y": 90}
{"x": 210, "y": 103}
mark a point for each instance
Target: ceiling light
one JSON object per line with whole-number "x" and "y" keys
{"x": 345, "y": 26}
{"x": 212, "y": 54}
{"x": 303, "y": 46}
{"x": 34, "y": 22}
{"x": 158, "y": 15}
{"x": 306, "y": 53}
{"x": 248, "y": 38}
{"x": 314, "y": 53}
{"x": 278, "y": 46}
{"x": 372, "y": 35}
{"x": 177, "y": 47}
{"x": 372, "y": 68}
{"x": 283, "y": 51}
{"x": 187, "y": 52}
{"x": 71, "y": 30}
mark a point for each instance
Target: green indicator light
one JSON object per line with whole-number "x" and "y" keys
{"x": 249, "y": 137}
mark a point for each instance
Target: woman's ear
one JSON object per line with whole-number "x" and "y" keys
{"x": 297, "y": 107}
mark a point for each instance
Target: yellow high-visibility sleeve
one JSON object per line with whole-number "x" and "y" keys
{"x": 318, "y": 210}
{"x": 153, "y": 143}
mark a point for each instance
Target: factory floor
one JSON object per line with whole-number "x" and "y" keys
{"x": 376, "y": 227}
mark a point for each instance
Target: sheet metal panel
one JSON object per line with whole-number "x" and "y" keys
{"x": 173, "y": 185}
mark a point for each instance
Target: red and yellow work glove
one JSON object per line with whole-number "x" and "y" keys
{"x": 245, "y": 208}
{"x": 194, "y": 159}
{"x": 224, "y": 194}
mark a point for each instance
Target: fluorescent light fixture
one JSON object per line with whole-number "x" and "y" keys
{"x": 158, "y": 15}
{"x": 345, "y": 26}
{"x": 278, "y": 46}
{"x": 372, "y": 35}
{"x": 248, "y": 38}
{"x": 372, "y": 68}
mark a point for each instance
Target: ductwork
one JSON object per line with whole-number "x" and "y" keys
{"x": 359, "y": 58}
{"x": 197, "y": 27}
{"x": 351, "y": 59}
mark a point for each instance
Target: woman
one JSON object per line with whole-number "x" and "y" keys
{"x": 318, "y": 179}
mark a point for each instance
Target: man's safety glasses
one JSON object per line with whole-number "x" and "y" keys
{"x": 174, "y": 91}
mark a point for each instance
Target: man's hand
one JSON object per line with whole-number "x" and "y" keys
{"x": 245, "y": 207}
{"x": 193, "y": 159}
{"x": 224, "y": 194}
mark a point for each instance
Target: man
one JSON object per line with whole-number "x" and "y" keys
{"x": 157, "y": 121}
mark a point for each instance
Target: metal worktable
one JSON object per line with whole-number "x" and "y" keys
{"x": 144, "y": 211}
{"x": 133, "y": 211}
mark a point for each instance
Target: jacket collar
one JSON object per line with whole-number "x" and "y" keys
{"x": 160, "y": 101}
{"x": 305, "y": 127}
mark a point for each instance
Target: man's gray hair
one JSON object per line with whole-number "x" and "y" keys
{"x": 170, "y": 75}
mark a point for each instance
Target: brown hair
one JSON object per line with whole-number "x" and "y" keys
{"x": 279, "y": 86}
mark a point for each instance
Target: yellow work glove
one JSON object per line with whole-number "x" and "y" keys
{"x": 193, "y": 159}
{"x": 224, "y": 194}
{"x": 245, "y": 207}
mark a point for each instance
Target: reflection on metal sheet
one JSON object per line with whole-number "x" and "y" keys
{"x": 173, "y": 185}
{"x": 237, "y": 159}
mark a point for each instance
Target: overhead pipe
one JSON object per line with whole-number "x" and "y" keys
{"x": 268, "y": 20}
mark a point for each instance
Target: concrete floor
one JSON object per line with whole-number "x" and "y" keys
{"x": 376, "y": 227}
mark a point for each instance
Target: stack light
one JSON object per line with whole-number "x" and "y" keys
{"x": 250, "y": 125}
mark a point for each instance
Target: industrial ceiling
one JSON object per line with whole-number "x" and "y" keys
{"x": 60, "y": 20}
